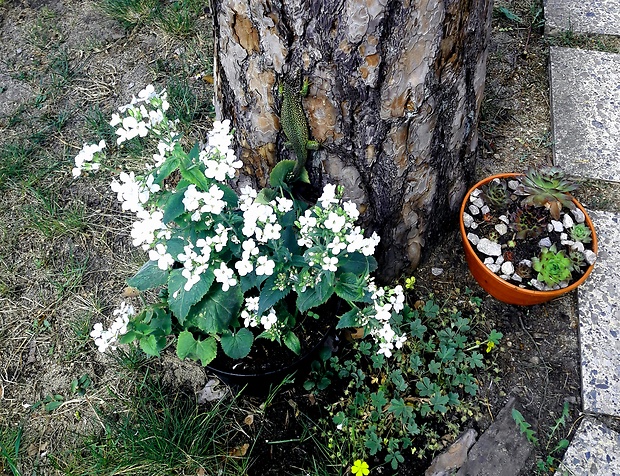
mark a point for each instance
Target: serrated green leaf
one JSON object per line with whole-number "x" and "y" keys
{"x": 270, "y": 295}
{"x": 292, "y": 342}
{"x": 151, "y": 345}
{"x": 217, "y": 309}
{"x": 348, "y": 288}
{"x": 349, "y": 319}
{"x": 317, "y": 295}
{"x": 186, "y": 344}
{"x": 148, "y": 277}
{"x": 180, "y": 300}
{"x": 174, "y": 206}
{"x": 356, "y": 263}
{"x": 237, "y": 345}
{"x": 206, "y": 350}
{"x": 169, "y": 166}
{"x": 265, "y": 196}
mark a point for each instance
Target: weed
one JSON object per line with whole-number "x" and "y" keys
{"x": 160, "y": 432}
{"x": 179, "y": 18}
{"x": 550, "y": 462}
{"x": 130, "y": 13}
{"x": 14, "y": 160}
{"x": 45, "y": 34}
{"x": 52, "y": 220}
{"x": 10, "y": 442}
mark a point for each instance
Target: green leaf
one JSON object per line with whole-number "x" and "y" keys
{"x": 349, "y": 288}
{"x": 510, "y": 15}
{"x": 217, "y": 310}
{"x": 151, "y": 345}
{"x": 265, "y": 196}
{"x": 148, "y": 277}
{"x": 439, "y": 402}
{"x": 378, "y": 399}
{"x": 206, "y": 350}
{"x": 317, "y": 295}
{"x": 349, "y": 319}
{"x": 357, "y": 263}
{"x": 186, "y": 344}
{"x": 237, "y": 345}
{"x": 270, "y": 295}
{"x": 280, "y": 173}
{"x": 174, "y": 206}
{"x": 53, "y": 405}
{"x": 292, "y": 342}
{"x": 180, "y": 300}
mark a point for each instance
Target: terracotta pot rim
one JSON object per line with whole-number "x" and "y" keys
{"x": 524, "y": 295}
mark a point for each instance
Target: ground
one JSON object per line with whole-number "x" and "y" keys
{"x": 65, "y": 252}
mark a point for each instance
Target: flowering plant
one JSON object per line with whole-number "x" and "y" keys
{"x": 233, "y": 266}
{"x": 527, "y": 229}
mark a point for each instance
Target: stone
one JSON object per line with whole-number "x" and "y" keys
{"x": 499, "y": 260}
{"x": 485, "y": 209}
{"x": 526, "y": 262}
{"x": 489, "y": 260}
{"x": 557, "y": 226}
{"x": 516, "y": 278}
{"x": 454, "y": 457}
{"x": 600, "y": 17}
{"x": 474, "y": 210}
{"x": 595, "y": 450}
{"x": 476, "y": 193}
{"x": 494, "y": 267}
{"x": 479, "y": 202}
{"x": 467, "y": 220}
{"x": 580, "y": 217}
{"x": 577, "y": 246}
{"x": 508, "y": 268}
{"x": 586, "y": 109}
{"x": 501, "y": 450}
{"x": 599, "y": 321}
{"x": 567, "y": 221}
{"x": 436, "y": 271}
{"x": 501, "y": 228}
{"x": 540, "y": 286}
{"x": 513, "y": 184}
{"x": 590, "y": 256}
{"x": 504, "y": 218}
{"x": 473, "y": 238}
{"x": 489, "y": 248}
{"x": 545, "y": 242}
{"x": 535, "y": 360}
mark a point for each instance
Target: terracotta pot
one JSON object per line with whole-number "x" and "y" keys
{"x": 500, "y": 288}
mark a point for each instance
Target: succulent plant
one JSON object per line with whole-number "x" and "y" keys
{"x": 528, "y": 222}
{"x": 496, "y": 194}
{"x": 523, "y": 270}
{"x": 578, "y": 259}
{"x": 493, "y": 235}
{"x": 580, "y": 232}
{"x": 553, "y": 266}
{"x": 547, "y": 187}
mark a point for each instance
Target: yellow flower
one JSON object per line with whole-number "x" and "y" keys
{"x": 360, "y": 468}
{"x": 490, "y": 346}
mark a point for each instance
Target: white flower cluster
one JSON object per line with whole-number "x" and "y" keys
{"x": 340, "y": 222}
{"x": 106, "y": 338}
{"x": 386, "y": 302}
{"x": 88, "y": 158}
{"x": 251, "y": 318}
{"x": 219, "y": 159}
{"x": 132, "y": 192}
{"x": 143, "y": 113}
{"x": 203, "y": 202}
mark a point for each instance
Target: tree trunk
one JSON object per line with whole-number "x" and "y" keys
{"x": 395, "y": 92}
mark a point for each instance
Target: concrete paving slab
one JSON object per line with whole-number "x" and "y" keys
{"x": 585, "y": 111}
{"x": 599, "y": 321}
{"x": 592, "y": 17}
{"x": 595, "y": 450}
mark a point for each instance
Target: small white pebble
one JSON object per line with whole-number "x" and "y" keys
{"x": 557, "y": 226}
{"x": 501, "y": 228}
{"x": 567, "y": 221}
{"x": 508, "y": 268}
{"x": 579, "y": 215}
{"x": 590, "y": 256}
{"x": 505, "y": 219}
{"x": 467, "y": 220}
{"x": 545, "y": 242}
{"x": 474, "y": 210}
{"x": 473, "y": 238}
{"x": 493, "y": 267}
{"x": 485, "y": 209}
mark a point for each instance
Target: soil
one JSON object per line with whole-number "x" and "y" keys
{"x": 46, "y": 310}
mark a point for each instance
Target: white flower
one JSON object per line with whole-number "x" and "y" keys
{"x": 244, "y": 267}
{"x": 351, "y": 210}
{"x": 105, "y": 338}
{"x": 329, "y": 196}
{"x": 225, "y": 276}
{"x": 284, "y": 204}
{"x": 265, "y": 266}
{"x": 335, "y": 222}
{"x": 88, "y": 158}
{"x": 269, "y": 320}
{"x": 329, "y": 264}
{"x": 161, "y": 255}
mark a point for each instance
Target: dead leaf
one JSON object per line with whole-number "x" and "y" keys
{"x": 207, "y": 78}
{"x": 130, "y": 292}
{"x": 1, "y": 391}
{"x": 312, "y": 399}
{"x": 211, "y": 392}
{"x": 248, "y": 420}
{"x": 201, "y": 472}
{"x": 239, "y": 450}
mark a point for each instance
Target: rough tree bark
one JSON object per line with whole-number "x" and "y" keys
{"x": 396, "y": 87}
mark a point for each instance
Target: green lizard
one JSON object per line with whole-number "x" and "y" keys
{"x": 295, "y": 125}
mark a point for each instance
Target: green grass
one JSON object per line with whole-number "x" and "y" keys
{"x": 10, "y": 443}
{"x": 46, "y": 215}
{"x": 130, "y": 13}
{"x": 161, "y": 431}
{"x": 179, "y": 18}
{"x": 15, "y": 159}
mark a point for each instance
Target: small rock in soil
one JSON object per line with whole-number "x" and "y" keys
{"x": 590, "y": 256}
{"x": 500, "y": 260}
{"x": 577, "y": 246}
{"x": 508, "y": 268}
{"x": 489, "y": 248}
{"x": 489, "y": 260}
{"x": 474, "y": 210}
{"x": 467, "y": 220}
{"x": 557, "y": 226}
{"x": 493, "y": 267}
{"x": 537, "y": 284}
{"x": 513, "y": 184}
{"x": 473, "y": 238}
{"x": 478, "y": 202}
{"x": 505, "y": 219}
{"x": 501, "y": 228}
{"x": 579, "y": 215}
{"x": 535, "y": 360}
{"x": 567, "y": 221}
{"x": 545, "y": 242}
{"x": 485, "y": 209}
{"x": 436, "y": 271}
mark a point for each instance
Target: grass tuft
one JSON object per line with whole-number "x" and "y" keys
{"x": 130, "y": 13}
